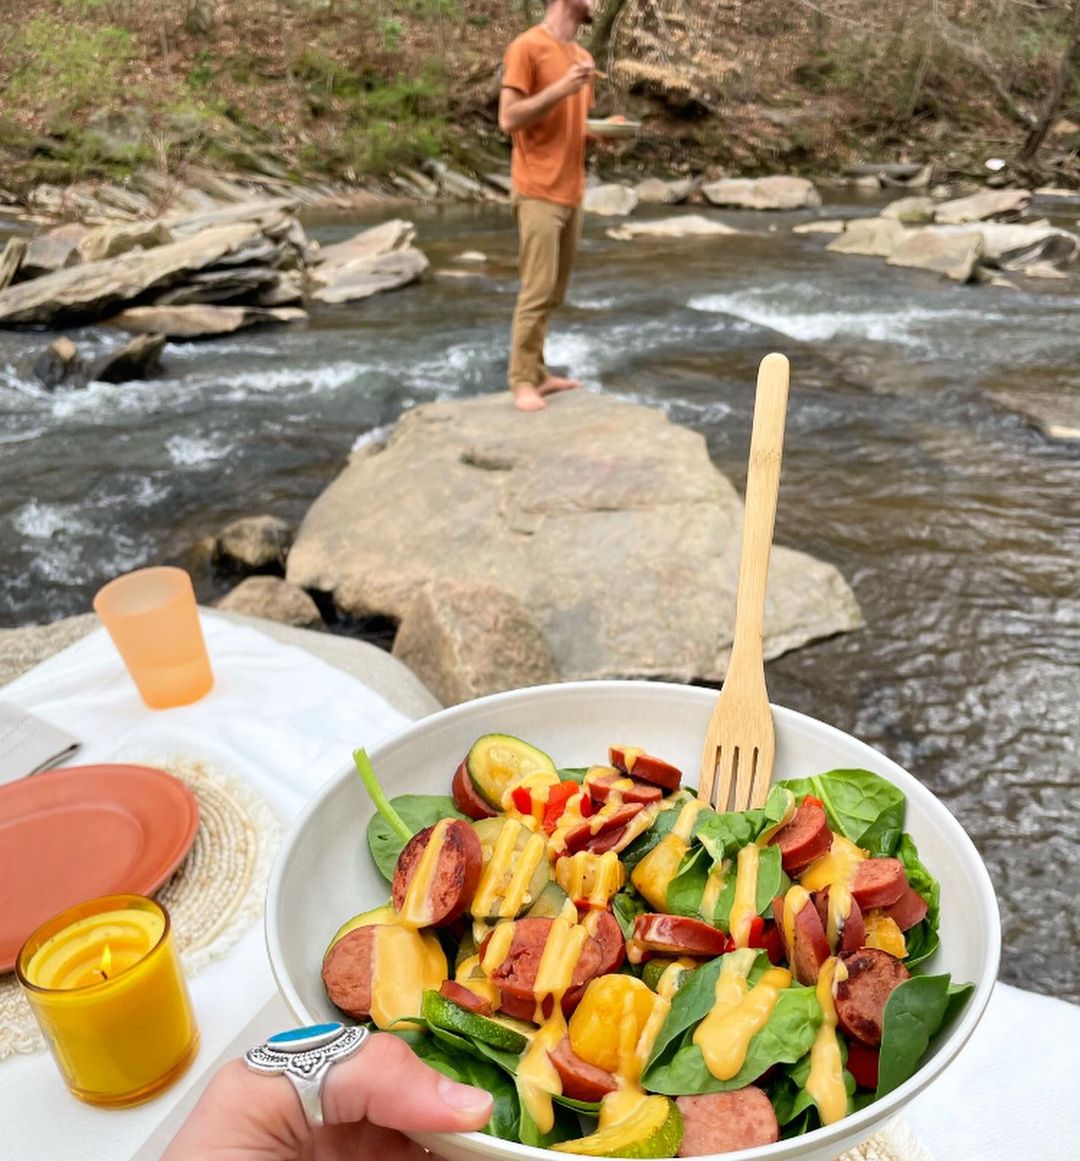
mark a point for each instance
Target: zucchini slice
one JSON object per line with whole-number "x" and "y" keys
{"x": 498, "y": 762}
{"x": 437, "y": 1009}
{"x": 653, "y": 1129}
{"x": 383, "y": 914}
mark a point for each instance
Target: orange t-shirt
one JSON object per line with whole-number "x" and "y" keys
{"x": 549, "y": 155}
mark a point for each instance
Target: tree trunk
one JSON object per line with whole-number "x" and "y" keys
{"x": 1069, "y": 60}
{"x": 199, "y": 19}
{"x": 600, "y": 42}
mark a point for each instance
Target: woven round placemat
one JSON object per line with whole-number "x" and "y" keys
{"x": 215, "y": 894}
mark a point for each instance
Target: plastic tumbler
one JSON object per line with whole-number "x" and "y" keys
{"x": 153, "y": 620}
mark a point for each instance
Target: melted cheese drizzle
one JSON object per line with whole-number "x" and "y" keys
{"x": 656, "y": 870}
{"x": 405, "y": 965}
{"x": 630, "y": 756}
{"x": 790, "y": 810}
{"x": 840, "y": 900}
{"x": 668, "y": 983}
{"x": 744, "y": 907}
{"x": 416, "y": 910}
{"x": 714, "y": 884}
{"x": 738, "y": 1013}
{"x": 498, "y": 948}
{"x": 826, "y": 1080}
{"x": 505, "y": 880}
{"x": 794, "y": 901}
{"x": 537, "y": 1077}
{"x": 837, "y": 865}
{"x": 538, "y": 783}
{"x": 590, "y": 880}
{"x": 470, "y": 975}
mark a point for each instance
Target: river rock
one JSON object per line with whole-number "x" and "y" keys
{"x": 138, "y": 359}
{"x": 823, "y": 226}
{"x": 454, "y": 184}
{"x": 874, "y": 237}
{"x": 378, "y": 259}
{"x": 222, "y": 285}
{"x": 763, "y": 193}
{"x": 110, "y": 241}
{"x": 11, "y": 259}
{"x": 254, "y": 543}
{"x": 94, "y": 288}
{"x": 1002, "y": 203}
{"x": 654, "y": 192}
{"x": 684, "y": 226}
{"x": 913, "y": 211}
{"x": 201, "y": 321}
{"x": 627, "y": 563}
{"x": 1020, "y": 247}
{"x": 272, "y": 599}
{"x": 610, "y": 200}
{"x": 953, "y": 254}
{"x": 464, "y": 640}
{"x": 59, "y": 363}
{"x": 48, "y": 253}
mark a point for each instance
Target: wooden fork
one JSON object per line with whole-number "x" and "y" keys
{"x": 740, "y": 742}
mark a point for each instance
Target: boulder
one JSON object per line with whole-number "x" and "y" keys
{"x": 1020, "y": 247}
{"x": 874, "y": 237}
{"x": 464, "y": 640}
{"x": 94, "y": 289}
{"x": 375, "y": 275}
{"x": 287, "y": 290}
{"x": 222, "y": 285}
{"x": 684, "y": 226}
{"x": 1002, "y": 203}
{"x": 763, "y": 193}
{"x": 627, "y": 563}
{"x": 59, "y": 363}
{"x": 135, "y": 360}
{"x": 11, "y": 259}
{"x": 200, "y": 321}
{"x": 822, "y": 226}
{"x": 110, "y": 241}
{"x": 454, "y": 184}
{"x": 253, "y": 543}
{"x": 866, "y": 184}
{"x": 47, "y": 253}
{"x": 913, "y": 211}
{"x": 955, "y": 255}
{"x": 272, "y": 599}
{"x": 654, "y": 192}
{"x": 610, "y": 200}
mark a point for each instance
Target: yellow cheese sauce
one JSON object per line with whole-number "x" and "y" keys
{"x": 795, "y": 900}
{"x": 826, "y": 1080}
{"x": 498, "y": 948}
{"x": 590, "y": 879}
{"x": 537, "y": 1078}
{"x": 656, "y": 870}
{"x": 837, "y": 865}
{"x": 714, "y": 884}
{"x": 405, "y": 965}
{"x": 744, "y": 907}
{"x": 505, "y": 879}
{"x": 738, "y": 1013}
{"x": 416, "y": 909}
{"x": 840, "y": 900}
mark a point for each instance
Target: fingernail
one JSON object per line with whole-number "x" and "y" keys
{"x": 462, "y": 1097}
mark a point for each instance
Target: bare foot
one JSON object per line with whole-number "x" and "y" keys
{"x": 528, "y": 399}
{"x": 553, "y": 383}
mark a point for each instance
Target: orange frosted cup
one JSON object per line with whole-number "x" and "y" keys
{"x": 153, "y": 620}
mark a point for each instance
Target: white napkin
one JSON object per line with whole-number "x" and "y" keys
{"x": 29, "y": 745}
{"x": 280, "y": 718}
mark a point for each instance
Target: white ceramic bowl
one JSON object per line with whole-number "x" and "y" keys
{"x": 324, "y": 873}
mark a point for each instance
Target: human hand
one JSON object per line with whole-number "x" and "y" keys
{"x": 366, "y": 1100}
{"x": 576, "y": 77}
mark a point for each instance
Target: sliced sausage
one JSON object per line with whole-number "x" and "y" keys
{"x": 608, "y": 934}
{"x": 878, "y": 883}
{"x": 645, "y": 767}
{"x": 600, "y": 785}
{"x": 466, "y": 798}
{"x": 805, "y": 837}
{"x": 909, "y": 909}
{"x": 852, "y": 933}
{"x": 725, "y": 1122}
{"x": 677, "y": 935}
{"x": 465, "y": 997}
{"x": 515, "y": 977}
{"x": 862, "y": 1063}
{"x": 348, "y": 971}
{"x": 457, "y": 872}
{"x": 811, "y": 948}
{"x": 581, "y": 1081}
{"x": 602, "y": 833}
{"x": 860, "y": 999}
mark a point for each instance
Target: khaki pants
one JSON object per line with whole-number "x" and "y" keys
{"x": 547, "y": 242}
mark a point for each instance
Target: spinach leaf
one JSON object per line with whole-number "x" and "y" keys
{"x": 627, "y": 905}
{"x": 677, "y": 1067}
{"x": 922, "y": 939}
{"x": 914, "y": 1011}
{"x": 662, "y": 824}
{"x": 685, "y": 891}
{"x": 771, "y": 881}
{"x": 456, "y": 1063}
{"x": 794, "y": 1100}
{"x": 723, "y": 834}
{"x": 861, "y": 805}
{"x": 573, "y": 773}
{"x": 417, "y": 811}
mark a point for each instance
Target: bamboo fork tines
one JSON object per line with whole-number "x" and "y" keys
{"x": 740, "y": 742}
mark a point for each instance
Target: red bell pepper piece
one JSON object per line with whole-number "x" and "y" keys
{"x": 522, "y": 799}
{"x": 558, "y": 796}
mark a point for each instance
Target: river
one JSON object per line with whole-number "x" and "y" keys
{"x": 955, "y": 521}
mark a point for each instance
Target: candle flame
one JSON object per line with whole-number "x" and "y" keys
{"x": 106, "y": 962}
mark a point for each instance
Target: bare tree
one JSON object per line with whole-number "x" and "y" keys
{"x": 199, "y": 18}
{"x": 1070, "y": 60}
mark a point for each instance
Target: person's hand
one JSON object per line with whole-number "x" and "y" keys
{"x": 385, "y": 1087}
{"x": 576, "y": 77}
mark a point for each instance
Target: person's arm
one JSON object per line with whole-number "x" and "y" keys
{"x": 516, "y": 110}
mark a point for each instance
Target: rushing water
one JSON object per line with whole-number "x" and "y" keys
{"x": 957, "y": 524}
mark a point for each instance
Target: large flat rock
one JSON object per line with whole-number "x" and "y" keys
{"x": 607, "y": 523}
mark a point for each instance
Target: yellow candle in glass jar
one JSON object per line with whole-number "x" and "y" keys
{"x": 104, "y": 981}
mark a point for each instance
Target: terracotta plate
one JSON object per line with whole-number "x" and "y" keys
{"x": 83, "y": 831}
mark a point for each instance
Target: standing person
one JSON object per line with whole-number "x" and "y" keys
{"x": 545, "y": 99}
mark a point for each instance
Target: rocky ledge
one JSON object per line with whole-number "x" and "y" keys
{"x": 593, "y": 539}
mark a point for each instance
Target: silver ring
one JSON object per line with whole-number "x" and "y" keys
{"x": 305, "y": 1056}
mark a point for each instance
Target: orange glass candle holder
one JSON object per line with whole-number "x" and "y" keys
{"x": 153, "y": 619}
{"x": 103, "y": 979}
